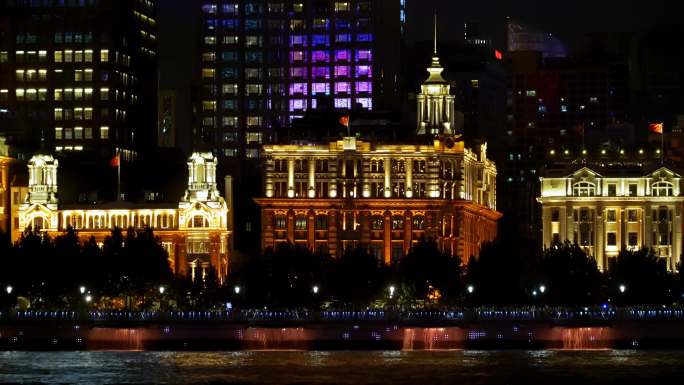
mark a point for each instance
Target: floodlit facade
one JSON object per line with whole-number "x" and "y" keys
{"x": 196, "y": 232}
{"x": 4, "y": 187}
{"x": 352, "y": 193}
{"x": 436, "y": 108}
{"x": 608, "y": 213}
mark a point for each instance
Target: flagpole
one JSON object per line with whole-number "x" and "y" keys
{"x": 662, "y": 146}
{"x": 118, "y": 176}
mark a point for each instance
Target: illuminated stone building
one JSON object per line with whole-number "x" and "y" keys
{"x": 351, "y": 193}
{"x": 4, "y": 187}
{"x": 606, "y": 210}
{"x": 385, "y": 197}
{"x": 196, "y": 231}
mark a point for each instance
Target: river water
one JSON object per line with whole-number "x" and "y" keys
{"x": 463, "y": 367}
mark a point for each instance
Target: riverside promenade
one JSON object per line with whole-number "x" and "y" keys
{"x": 302, "y": 329}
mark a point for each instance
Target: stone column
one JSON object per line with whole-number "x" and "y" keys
{"x": 599, "y": 242}
{"x": 676, "y": 236}
{"x": 546, "y": 226}
{"x": 290, "y": 177}
{"x": 312, "y": 178}
{"x": 290, "y": 226}
{"x": 408, "y": 234}
{"x": 387, "y": 236}
{"x": 311, "y": 231}
{"x": 388, "y": 177}
{"x": 181, "y": 256}
{"x": 332, "y": 234}
{"x": 408, "y": 168}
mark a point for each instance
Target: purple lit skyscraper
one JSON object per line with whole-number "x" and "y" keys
{"x": 266, "y": 62}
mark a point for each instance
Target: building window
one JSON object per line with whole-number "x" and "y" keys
{"x": 662, "y": 189}
{"x": 612, "y": 189}
{"x": 611, "y": 239}
{"x": 555, "y": 215}
{"x": 632, "y": 239}
{"x": 322, "y": 222}
{"x": 397, "y": 222}
{"x": 199, "y": 221}
{"x": 418, "y": 222}
{"x": 611, "y": 215}
{"x": 280, "y": 222}
{"x": 632, "y": 215}
{"x": 584, "y": 189}
{"x": 104, "y": 132}
{"x": 377, "y": 223}
{"x": 633, "y": 189}
{"x": 300, "y": 222}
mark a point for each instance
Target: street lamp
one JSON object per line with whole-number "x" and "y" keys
{"x": 542, "y": 289}
{"x": 236, "y": 289}
{"x": 391, "y": 291}
{"x": 622, "y": 288}
{"x": 9, "y": 289}
{"x": 315, "y": 289}
{"x": 82, "y": 289}
{"x": 162, "y": 289}
{"x": 470, "y": 289}
{"x": 88, "y": 298}
{"x": 534, "y": 293}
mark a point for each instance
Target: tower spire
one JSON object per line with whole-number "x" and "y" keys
{"x": 435, "y": 27}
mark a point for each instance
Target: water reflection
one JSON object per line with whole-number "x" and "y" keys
{"x": 585, "y": 338}
{"x": 347, "y": 368}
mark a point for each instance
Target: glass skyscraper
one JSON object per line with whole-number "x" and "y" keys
{"x": 78, "y": 75}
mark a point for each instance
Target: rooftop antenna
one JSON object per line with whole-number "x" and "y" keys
{"x": 435, "y": 27}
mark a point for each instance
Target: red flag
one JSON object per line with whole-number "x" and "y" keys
{"x": 115, "y": 162}
{"x": 656, "y": 128}
{"x": 344, "y": 120}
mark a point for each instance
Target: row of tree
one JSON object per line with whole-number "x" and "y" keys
{"x": 127, "y": 270}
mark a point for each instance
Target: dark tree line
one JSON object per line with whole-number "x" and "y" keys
{"x": 129, "y": 267}
{"x": 49, "y": 272}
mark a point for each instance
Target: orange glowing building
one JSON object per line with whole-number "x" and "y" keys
{"x": 384, "y": 197}
{"x": 353, "y": 193}
{"x": 196, "y": 232}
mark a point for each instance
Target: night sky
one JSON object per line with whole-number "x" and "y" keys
{"x": 569, "y": 20}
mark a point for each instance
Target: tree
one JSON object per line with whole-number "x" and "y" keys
{"x": 502, "y": 273}
{"x": 643, "y": 275}
{"x": 572, "y": 276}
{"x": 426, "y": 268}
{"x": 357, "y": 277}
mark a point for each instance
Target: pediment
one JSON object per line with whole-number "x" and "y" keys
{"x": 584, "y": 173}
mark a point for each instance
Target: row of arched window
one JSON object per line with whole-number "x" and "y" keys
{"x": 588, "y": 189}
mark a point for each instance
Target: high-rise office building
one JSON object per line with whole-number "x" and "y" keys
{"x": 78, "y": 75}
{"x": 264, "y": 63}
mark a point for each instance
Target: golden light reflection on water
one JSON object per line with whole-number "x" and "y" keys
{"x": 431, "y": 338}
{"x": 585, "y": 338}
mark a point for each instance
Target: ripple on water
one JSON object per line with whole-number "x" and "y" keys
{"x": 343, "y": 367}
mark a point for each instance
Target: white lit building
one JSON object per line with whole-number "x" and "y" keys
{"x": 196, "y": 232}
{"x": 606, "y": 213}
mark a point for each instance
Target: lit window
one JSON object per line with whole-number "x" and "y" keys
{"x": 341, "y": 6}
{"x": 104, "y": 132}
{"x": 104, "y": 55}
